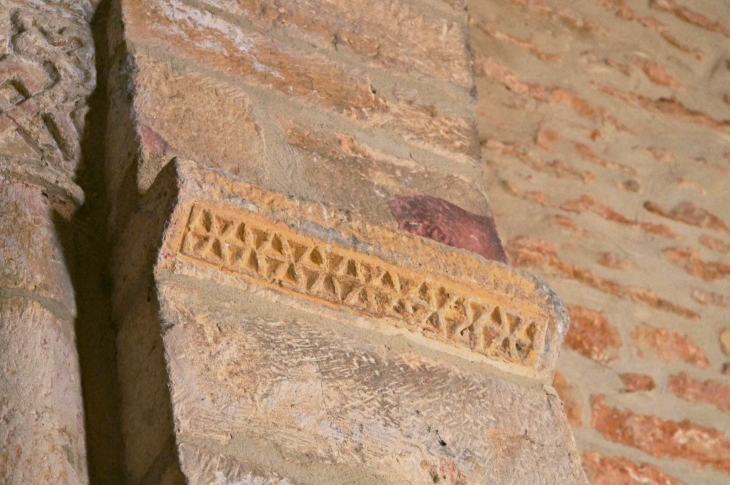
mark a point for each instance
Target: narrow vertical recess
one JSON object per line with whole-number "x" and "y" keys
{"x": 95, "y": 334}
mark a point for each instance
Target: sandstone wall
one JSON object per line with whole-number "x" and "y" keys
{"x": 604, "y": 130}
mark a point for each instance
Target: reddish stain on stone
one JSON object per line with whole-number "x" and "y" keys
{"x": 449, "y": 224}
{"x": 153, "y": 142}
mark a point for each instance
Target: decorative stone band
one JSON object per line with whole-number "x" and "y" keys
{"x": 273, "y": 255}
{"x": 310, "y": 251}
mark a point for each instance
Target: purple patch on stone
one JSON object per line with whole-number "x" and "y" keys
{"x": 447, "y": 223}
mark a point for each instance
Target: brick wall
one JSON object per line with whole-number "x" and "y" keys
{"x": 604, "y": 131}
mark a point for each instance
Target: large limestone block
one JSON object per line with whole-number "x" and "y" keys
{"x": 41, "y": 417}
{"x": 303, "y": 345}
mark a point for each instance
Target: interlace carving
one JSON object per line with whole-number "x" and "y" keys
{"x": 46, "y": 74}
{"x": 278, "y": 257}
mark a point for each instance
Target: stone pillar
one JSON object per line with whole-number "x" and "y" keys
{"x": 47, "y": 74}
{"x": 320, "y": 297}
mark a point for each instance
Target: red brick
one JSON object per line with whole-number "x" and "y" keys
{"x": 587, "y": 204}
{"x": 545, "y": 138}
{"x": 617, "y": 470}
{"x": 591, "y": 335}
{"x": 715, "y": 244}
{"x": 571, "y": 400}
{"x": 555, "y": 168}
{"x": 613, "y": 261}
{"x": 570, "y": 17}
{"x": 689, "y": 258}
{"x": 568, "y": 223}
{"x": 660, "y": 437}
{"x": 637, "y": 382}
{"x": 492, "y": 31}
{"x": 691, "y": 16}
{"x": 522, "y": 254}
{"x": 669, "y": 107}
{"x": 656, "y": 72}
{"x": 668, "y": 345}
{"x": 710, "y": 298}
{"x": 587, "y": 153}
{"x": 625, "y": 12}
{"x": 692, "y": 389}
{"x": 689, "y": 213}
{"x": 496, "y": 71}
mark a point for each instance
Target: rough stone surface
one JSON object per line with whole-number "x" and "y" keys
{"x": 309, "y": 390}
{"x": 46, "y": 76}
{"x": 42, "y": 432}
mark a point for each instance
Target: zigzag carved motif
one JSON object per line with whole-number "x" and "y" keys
{"x": 273, "y": 255}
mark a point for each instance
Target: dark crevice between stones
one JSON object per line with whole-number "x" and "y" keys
{"x": 95, "y": 333}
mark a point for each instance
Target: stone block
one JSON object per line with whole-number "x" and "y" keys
{"x": 301, "y": 344}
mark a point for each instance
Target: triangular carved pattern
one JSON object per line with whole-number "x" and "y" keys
{"x": 282, "y": 259}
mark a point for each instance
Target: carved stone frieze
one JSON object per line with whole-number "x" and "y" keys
{"x": 320, "y": 254}
{"x": 276, "y": 256}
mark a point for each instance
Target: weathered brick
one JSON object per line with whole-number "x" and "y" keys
{"x": 491, "y": 30}
{"x": 668, "y": 345}
{"x": 670, "y": 107}
{"x": 571, "y": 400}
{"x": 496, "y": 71}
{"x": 710, "y": 298}
{"x": 522, "y": 253}
{"x": 656, "y": 72}
{"x": 637, "y": 382}
{"x": 617, "y": 470}
{"x": 586, "y": 204}
{"x": 689, "y": 213}
{"x": 689, "y": 258}
{"x": 556, "y": 168}
{"x": 625, "y": 12}
{"x": 587, "y": 153}
{"x": 714, "y": 243}
{"x": 691, "y": 16}
{"x": 567, "y": 15}
{"x": 692, "y": 389}
{"x": 661, "y": 437}
{"x": 591, "y": 335}
{"x": 545, "y": 138}
{"x": 614, "y": 261}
